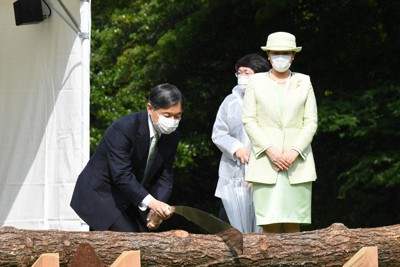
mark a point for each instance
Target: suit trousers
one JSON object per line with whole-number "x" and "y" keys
{"x": 130, "y": 220}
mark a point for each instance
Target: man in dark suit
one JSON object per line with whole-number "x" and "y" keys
{"x": 121, "y": 181}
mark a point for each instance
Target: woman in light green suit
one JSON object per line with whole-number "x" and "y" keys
{"x": 280, "y": 118}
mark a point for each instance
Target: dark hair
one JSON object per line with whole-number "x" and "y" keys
{"x": 253, "y": 61}
{"x": 165, "y": 95}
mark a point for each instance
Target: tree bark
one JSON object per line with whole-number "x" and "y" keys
{"x": 332, "y": 246}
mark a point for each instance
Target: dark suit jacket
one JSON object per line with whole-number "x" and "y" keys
{"x": 113, "y": 179}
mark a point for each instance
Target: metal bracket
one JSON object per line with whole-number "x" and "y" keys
{"x": 72, "y": 22}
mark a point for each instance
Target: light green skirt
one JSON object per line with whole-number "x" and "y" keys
{"x": 282, "y": 202}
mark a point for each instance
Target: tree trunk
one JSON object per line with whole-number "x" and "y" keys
{"x": 332, "y": 246}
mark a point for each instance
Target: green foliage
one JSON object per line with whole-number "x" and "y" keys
{"x": 367, "y": 121}
{"x": 349, "y": 50}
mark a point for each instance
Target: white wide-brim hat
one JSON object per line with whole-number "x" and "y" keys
{"x": 281, "y": 41}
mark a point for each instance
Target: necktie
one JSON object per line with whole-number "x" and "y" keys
{"x": 152, "y": 148}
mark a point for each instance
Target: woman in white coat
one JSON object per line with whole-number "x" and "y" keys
{"x": 230, "y": 137}
{"x": 280, "y": 117}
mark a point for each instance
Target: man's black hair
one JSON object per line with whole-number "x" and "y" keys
{"x": 165, "y": 95}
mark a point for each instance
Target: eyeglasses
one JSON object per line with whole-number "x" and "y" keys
{"x": 238, "y": 74}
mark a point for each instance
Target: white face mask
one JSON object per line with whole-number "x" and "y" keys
{"x": 165, "y": 125}
{"x": 281, "y": 63}
{"x": 242, "y": 82}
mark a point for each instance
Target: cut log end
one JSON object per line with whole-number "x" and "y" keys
{"x": 180, "y": 233}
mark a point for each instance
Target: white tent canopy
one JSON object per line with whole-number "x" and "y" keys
{"x": 44, "y": 117}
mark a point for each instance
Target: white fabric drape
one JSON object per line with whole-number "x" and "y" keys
{"x": 44, "y": 118}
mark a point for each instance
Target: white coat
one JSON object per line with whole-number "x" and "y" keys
{"x": 229, "y": 135}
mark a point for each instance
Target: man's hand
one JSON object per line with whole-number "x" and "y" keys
{"x": 243, "y": 155}
{"x": 153, "y": 221}
{"x": 161, "y": 209}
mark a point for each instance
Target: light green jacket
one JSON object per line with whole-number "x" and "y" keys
{"x": 266, "y": 126}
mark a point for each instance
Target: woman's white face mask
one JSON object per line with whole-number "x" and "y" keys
{"x": 242, "y": 82}
{"x": 281, "y": 63}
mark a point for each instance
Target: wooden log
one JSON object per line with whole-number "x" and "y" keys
{"x": 332, "y": 246}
